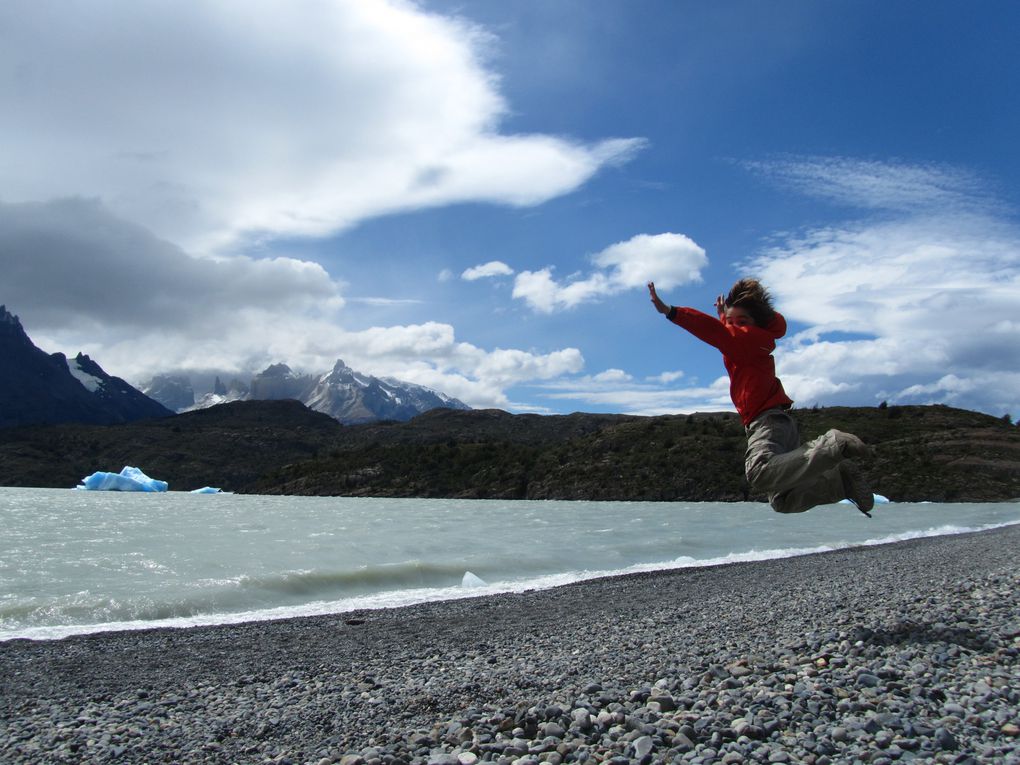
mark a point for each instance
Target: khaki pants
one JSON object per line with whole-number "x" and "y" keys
{"x": 796, "y": 477}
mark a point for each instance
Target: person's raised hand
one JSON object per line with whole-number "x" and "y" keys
{"x": 659, "y": 305}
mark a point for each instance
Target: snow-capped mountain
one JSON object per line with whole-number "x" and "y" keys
{"x": 352, "y": 397}
{"x": 39, "y": 388}
{"x": 343, "y": 393}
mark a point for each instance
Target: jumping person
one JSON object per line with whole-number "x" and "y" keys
{"x": 795, "y": 476}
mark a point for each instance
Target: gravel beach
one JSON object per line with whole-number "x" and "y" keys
{"x": 882, "y": 654}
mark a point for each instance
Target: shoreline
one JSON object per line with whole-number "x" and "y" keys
{"x": 898, "y": 650}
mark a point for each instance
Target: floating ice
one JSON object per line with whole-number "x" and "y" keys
{"x": 128, "y": 479}
{"x": 470, "y": 580}
{"x": 879, "y": 500}
{"x": 207, "y": 490}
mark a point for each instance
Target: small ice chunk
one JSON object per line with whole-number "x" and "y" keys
{"x": 879, "y": 500}
{"x": 470, "y": 580}
{"x": 207, "y": 490}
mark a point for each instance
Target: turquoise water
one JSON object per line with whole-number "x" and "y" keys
{"x": 75, "y": 562}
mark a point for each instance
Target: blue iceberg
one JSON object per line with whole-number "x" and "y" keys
{"x": 128, "y": 479}
{"x": 208, "y": 490}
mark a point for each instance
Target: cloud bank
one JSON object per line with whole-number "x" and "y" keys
{"x": 212, "y": 123}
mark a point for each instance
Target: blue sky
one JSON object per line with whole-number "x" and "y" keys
{"x": 472, "y": 196}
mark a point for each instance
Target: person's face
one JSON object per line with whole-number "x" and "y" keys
{"x": 738, "y": 317}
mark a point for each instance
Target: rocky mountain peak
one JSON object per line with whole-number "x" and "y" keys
{"x": 10, "y": 327}
{"x": 38, "y": 387}
{"x": 277, "y": 370}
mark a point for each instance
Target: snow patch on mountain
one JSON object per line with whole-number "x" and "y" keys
{"x": 91, "y": 382}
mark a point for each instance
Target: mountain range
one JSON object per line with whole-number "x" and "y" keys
{"x": 39, "y": 388}
{"x": 346, "y": 395}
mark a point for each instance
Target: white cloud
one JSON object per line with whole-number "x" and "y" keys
{"x": 509, "y": 366}
{"x": 665, "y": 378}
{"x": 928, "y": 294}
{"x": 947, "y": 383}
{"x": 384, "y": 302}
{"x": 616, "y": 391}
{"x": 668, "y": 259}
{"x": 538, "y": 289}
{"x": 211, "y": 122}
{"x": 877, "y": 185}
{"x": 613, "y": 377}
{"x": 486, "y": 271}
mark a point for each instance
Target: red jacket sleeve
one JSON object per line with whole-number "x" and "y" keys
{"x": 734, "y": 342}
{"x": 706, "y": 328}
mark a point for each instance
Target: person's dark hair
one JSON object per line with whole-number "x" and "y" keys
{"x": 751, "y": 295}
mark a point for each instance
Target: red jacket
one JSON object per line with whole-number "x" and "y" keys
{"x": 747, "y": 354}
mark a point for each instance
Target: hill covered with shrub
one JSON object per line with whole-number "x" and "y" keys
{"x": 932, "y": 453}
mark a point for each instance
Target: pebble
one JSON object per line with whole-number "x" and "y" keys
{"x": 887, "y": 654}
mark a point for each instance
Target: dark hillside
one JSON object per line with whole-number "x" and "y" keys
{"x": 279, "y": 447}
{"x": 479, "y": 426}
{"x": 934, "y": 453}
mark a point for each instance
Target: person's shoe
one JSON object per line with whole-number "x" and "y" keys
{"x": 856, "y": 487}
{"x": 852, "y": 446}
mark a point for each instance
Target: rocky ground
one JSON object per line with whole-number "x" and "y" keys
{"x": 895, "y": 653}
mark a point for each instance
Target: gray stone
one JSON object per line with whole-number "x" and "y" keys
{"x": 945, "y": 740}
{"x": 643, "y": 746}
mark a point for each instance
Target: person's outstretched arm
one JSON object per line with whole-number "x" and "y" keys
{"x": 699, "y": 324}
